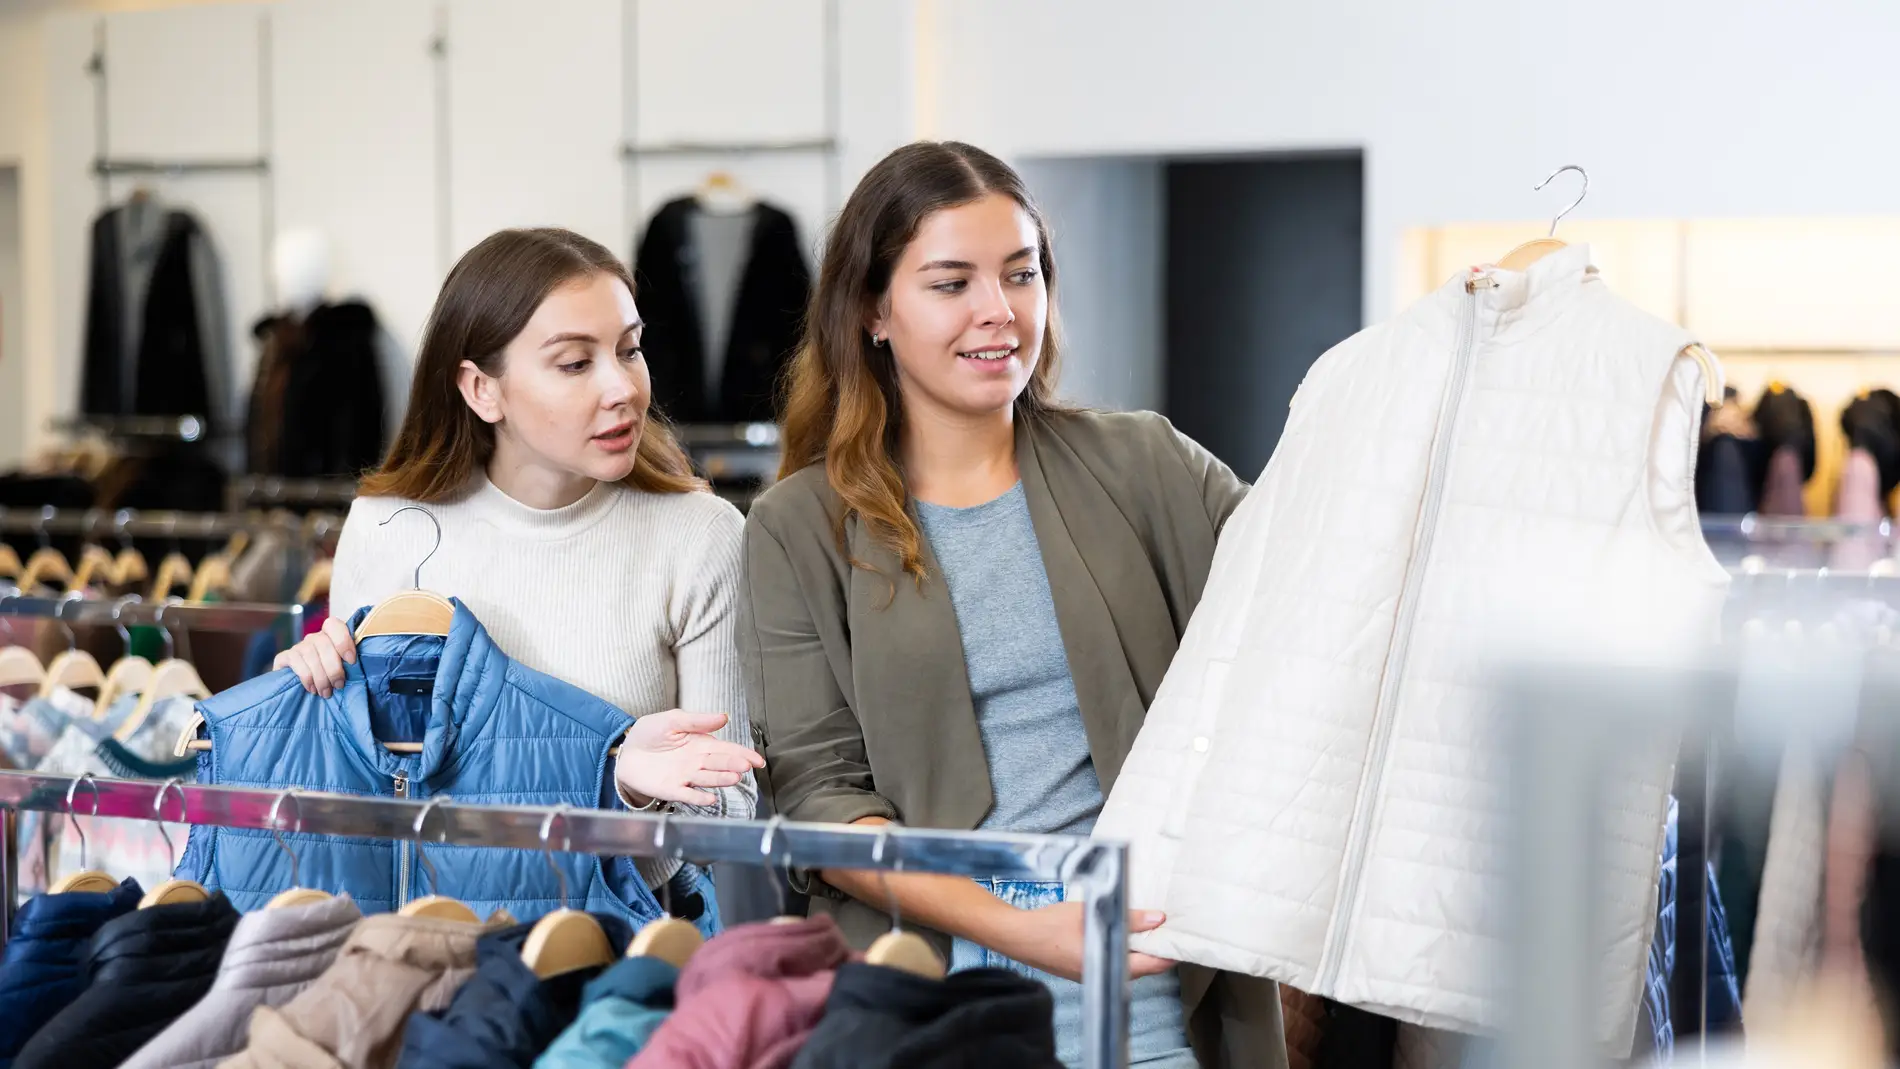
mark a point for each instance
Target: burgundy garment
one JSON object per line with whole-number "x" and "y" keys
{"x": 1781, "y": 490}
{"x": 749, "y": 998}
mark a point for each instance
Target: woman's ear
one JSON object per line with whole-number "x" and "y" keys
{"x": 480, "y": 390}
{"x": 874, "y": 324}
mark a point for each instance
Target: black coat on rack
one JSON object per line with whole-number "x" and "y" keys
{"x": 767, "y": 313}
{"x": 147, "y": 353}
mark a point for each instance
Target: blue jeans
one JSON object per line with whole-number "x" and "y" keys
{"x": 1157, "y": 1036}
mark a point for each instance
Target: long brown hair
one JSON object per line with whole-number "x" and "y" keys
{"x": 842, "y": 404}
{"x": 488, "y": 299}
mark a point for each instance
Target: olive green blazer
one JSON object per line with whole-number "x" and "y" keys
{"x": 856, "y": 682}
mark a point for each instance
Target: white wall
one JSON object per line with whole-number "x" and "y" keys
{"x": 12, "y": 322}
{"x": 1687, "y": 108}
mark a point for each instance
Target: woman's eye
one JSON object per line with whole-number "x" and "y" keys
{"x": 1024, "y": 277}
{"x": 576, "y": 367}
{"x": 954, "y": 285}
{"x": 634, "y": 353}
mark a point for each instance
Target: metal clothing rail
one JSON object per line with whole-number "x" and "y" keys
{"x": 264, "y": 490}
{"x": 103, "y": 166}
{"x": 1754, "y": 527}
{"x": 221, "y": 616}
{"x": 155, "y": 428}
{"x": 1098, "y": 870}
{"x": 743, "y": 148}
{"x": 124, "y": 523}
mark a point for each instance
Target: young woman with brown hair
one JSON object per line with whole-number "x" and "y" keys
{"x": 962, "y": 594}
{"x": 572, "y": 526}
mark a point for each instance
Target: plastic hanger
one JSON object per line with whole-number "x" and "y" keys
{"x": 74, "y": 668}
{"x": 437, "y": 906}
{"x": 566, "y": 940}
{"x": 130, "y": 673}
{"x": 19, "y": 666}
{"x": 170, "y": 678}
{"x": 897, "y": 948}
{"x": 172, "y": 891}
{"x": 415, "y": 611}
{"x": 85, "y": 879}
{"x": 778, "y": 888}
{"x": 669, "y": 938}
{"x": 295, "y": 896}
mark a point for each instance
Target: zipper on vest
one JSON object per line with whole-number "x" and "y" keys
{"x": 1396, "y": 654}
{"x": 402, "y": 847}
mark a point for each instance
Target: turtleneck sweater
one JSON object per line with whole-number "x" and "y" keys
{"x": 628, "y": 595}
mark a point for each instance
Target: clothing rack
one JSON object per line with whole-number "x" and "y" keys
{"x": 127, "y": 428}
{"x": 1097, "y": 869}
{"x": 124, "y": 523}
{"x": 123, "y": 612}
{"x": 253, "y": 491}
{"x": 104, "y": 167}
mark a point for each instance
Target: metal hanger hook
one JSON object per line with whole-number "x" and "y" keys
{"x": 1568, "y": 208}
{"x": 765, "y": 848}
{"x": 438, "y": 536}
{"x": 158, "y": 618}
{"x": 659, "y": 849}
{"x": 277, "y": 833}
{"x": 422, "y": 821}
{"x": 59, "y": 617}
{"x": 158, "y": 816}
{"x": 547, "y": 851}
{"x": 46, "y": 517}
{"x": 883, "y": 876}
{"x": 73, "y": 815}
{"x": 118, "y": 609}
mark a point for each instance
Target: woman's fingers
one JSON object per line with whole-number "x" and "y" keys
{"x": 1145, "y": 920}
{"x": 727, "y": 761}
{"x": 1140, "y": 965}
{"x": 714, "y": 779}
{"x": 339, "y": 634}
{"x": 293, "y": 659}
{"x": 330, "y": 663}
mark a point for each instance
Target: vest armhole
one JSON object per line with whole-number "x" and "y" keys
{"x": 1675, "y": 437}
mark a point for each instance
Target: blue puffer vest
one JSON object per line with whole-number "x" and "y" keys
{"x": 492, "y": 732}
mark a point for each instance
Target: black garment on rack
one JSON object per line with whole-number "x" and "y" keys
{"x": 1728, "y": 476}
{"x": 1872, "y": 422}
{"x": 1785, "y": 418}
{"x": 143, "y": 970}
{"x": 316, "y": 406}
{"x": 148, "y": 350}
{"x": 878, "y": 1018}
{"x": 764, "y": 327}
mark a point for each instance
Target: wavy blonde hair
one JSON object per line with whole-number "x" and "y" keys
{"x": 841, "y": 402}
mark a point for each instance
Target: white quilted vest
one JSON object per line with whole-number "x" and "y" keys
{"x": 1316, "y": 795}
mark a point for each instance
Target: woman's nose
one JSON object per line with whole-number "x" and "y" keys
{"x": 993, "y": 308}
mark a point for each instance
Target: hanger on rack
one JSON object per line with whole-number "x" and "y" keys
{"x": 129, "y": 566}
{"x": 19, "y": 667}
{"x": 213, "y": 576}
{"x": 295, "y": 895}
{"x": 131, "y": 673}
{"x": 1530, "y": 252}
{"x": 566, "y": 940}
{"x": 74, "y": 668}
{"x": 84, "y": 879}
{"x": 415, "y": 611}
{"x": 721, "y": 193}
{"x": 897, "y": 948}
{"x": 170, "y": 678}
{"x": 172, "y": 891}
{"x": 10, "y": 564}
{"x": 778, "y": 886}
{"x": 434, "y": 905}
{"x": 173, "y": 570}
{"x": 46, "y": 567}
{"x": 94, "y": 563}
{"x": 669, "y": 938}
{"x": 316, "y": 581}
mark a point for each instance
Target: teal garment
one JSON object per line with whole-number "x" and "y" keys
{"x": 621, "y": 1009}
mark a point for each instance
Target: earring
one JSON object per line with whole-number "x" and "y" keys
{"x": 877, "y": 340}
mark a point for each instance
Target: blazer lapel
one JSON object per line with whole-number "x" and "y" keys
{"x": 907, "y": 663}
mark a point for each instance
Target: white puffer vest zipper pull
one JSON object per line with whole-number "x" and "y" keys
{"x": 1317, "y": 795}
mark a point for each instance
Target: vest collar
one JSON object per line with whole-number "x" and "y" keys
{"x": 469, "y": 672}
{"x": 1523, "y": 299}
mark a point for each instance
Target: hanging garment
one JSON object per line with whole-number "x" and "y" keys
{"x": 154, "y": 317}
{"x": 1858, "y": 499}
{"x": 1783, "y": 487}
{"x": 1785, "y": 419}
{"x": 761, "y": 329}
{"x": 29, "y": 732}
{"x": 464, "y": 700}
{"x": 1316, "y": 794}
{"x": 1729, "y": 470}
{"x": 1306, "y": 1017}
{"x": 1872, "y": 422}
{"x": 880, "y": 1018}
{"x": 316, "y": 406}
{"x": 143, "y": 969}
{"x": 41, "y": 970}
{"x": 749, "y": 999}
{"x": 505, "y": 1014}
{"x": 353, "y": 1016}
{"x": 621, "y": 1009}
{"x": 273, "y": 955}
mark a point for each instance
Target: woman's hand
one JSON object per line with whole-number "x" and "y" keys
{"x": 319, "y": 659}
{"x": 672, "y": 756}
{"x": 1050, "y": 939}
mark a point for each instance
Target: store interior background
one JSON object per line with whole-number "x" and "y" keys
{"x": 1235, "y": 186}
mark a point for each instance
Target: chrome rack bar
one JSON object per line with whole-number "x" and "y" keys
{"x": 729, "y": 148}
{"x": 222, "y": 616}
{"x": 727, "y": 435}
{"x": 103, "y": 166}
{"x": 1754, "y": 527}
{"x": 264, "y": 490}
{"x": 1097, "y": 869}
{"x": 101, "y": 524}
{"x": 163, "y": 428}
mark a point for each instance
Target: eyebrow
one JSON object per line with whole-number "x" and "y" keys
{"x": 964, "y": 265}
{"x": 589, "y": 338}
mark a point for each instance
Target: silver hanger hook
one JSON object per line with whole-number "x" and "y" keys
{"x": 158, "y": 618}
{"x": 438, "y": 536}
{"x": 78, "y": 829}
{"x": 547, "y": 851}
{"x": 59, "y": 617}
{"x": 1568, "y": 208}
{"x": 422, "y": 821}
{"x": 765, "y": 848}
{"x": 883, "y": 876}
{"x": 659, "y": 850}
{"x": 118, "y": 609}
{"x": 277, "y": 833}
{"x": 158, "y": 816}
{"x": 46, "y": 517}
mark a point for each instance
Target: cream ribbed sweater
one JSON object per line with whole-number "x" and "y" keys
{"x": 628, "y": 595}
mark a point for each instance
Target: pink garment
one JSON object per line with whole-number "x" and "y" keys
{"x": 749, "y": 998}
{"x": 1857, "y": 500}
{"x": 1781, "y": 489}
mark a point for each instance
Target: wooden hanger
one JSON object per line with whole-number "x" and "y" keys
{"x": 174, "y": 570}
{"x": 316, "y": 581}
{"x": 85, "y": 879}
{"x": 19, "y": 667}
{"x": 897, "y": 948}
{"x": 439, "y": 907}
{"x": 669, "y": 938}
{"x": 566, "y": 940}
{"x": 172, "y": 891}
{"x": 46, "y": 567}
{"x": 130, "y": 674}
{"x": 295, "y": 895}
{"x": 213, "y": 575}
{"x": 169, "y": 679}
{"x": 129, "y": 567}
{"x": 73, "y": 670}
{"x": 94, "y": 563}
{"x": 10, "y": 565}
{"x": 415, "y": 611}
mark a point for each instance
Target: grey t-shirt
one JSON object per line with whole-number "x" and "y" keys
{"x": 723, "y": 243}
{"x": 1040, "y": 770}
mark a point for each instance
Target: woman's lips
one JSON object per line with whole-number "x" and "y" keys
{"x": 616, "y": 439}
